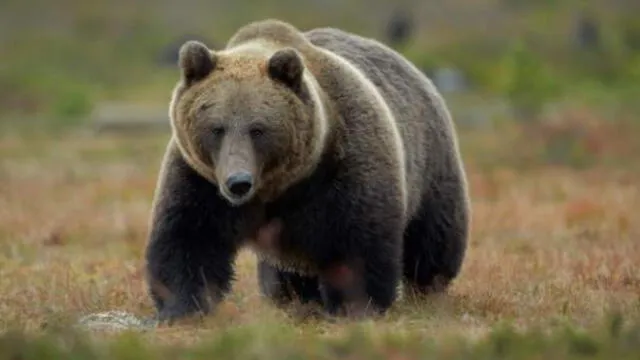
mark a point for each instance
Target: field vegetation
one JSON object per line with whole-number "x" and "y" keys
{"x": 552, "y": 267}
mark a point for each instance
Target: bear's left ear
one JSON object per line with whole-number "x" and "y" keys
{"x": 196, "y": 61}
{"x": 286, "y": 66}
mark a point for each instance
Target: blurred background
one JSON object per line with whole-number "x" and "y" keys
{"x": 545, "y": 96}
{"x": 554, "y": 68}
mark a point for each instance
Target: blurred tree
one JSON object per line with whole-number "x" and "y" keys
{"x": 586, "y": 32}
{"x": 399, "y": 28}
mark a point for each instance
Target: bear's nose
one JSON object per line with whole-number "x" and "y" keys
{"x": 240, "y": 183}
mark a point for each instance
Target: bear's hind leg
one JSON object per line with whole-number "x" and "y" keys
{"x": 435, "y": 240}
{"x": 283, "y": 287}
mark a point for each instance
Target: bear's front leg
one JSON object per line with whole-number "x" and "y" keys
{"x": 186, "y": 275}
{"x": 191, "y": 246}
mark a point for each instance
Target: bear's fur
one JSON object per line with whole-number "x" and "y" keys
{"x": 355, "y": 177}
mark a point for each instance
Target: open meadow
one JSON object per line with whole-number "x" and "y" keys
{"x": 545, "y": 98}
{"x": 551, "y": 246}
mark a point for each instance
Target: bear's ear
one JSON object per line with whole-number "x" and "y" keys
{"x": 196, "y": 61}
{"x": 286, "y": 66}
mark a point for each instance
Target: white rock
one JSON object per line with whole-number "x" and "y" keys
{"x": 115, "y": 320}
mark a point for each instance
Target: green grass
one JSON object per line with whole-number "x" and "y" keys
{"x": 613, "y": 340}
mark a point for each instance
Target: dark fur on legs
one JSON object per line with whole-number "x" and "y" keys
{"x": 192, "y": 244}
{"x": 283, "y": 287}
{"x": 435, "y": 240}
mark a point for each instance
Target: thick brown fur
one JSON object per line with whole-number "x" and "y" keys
{"x": 355, "y": 157}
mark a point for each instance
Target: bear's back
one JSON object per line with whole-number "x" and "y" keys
{"x": 388, "y": 71}
{"x": 419, "y": 110}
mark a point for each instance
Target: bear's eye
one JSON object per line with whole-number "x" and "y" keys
{"x": 217, "y": 131}
{"x": 204, "y": 107}
{"x": 256, "y": 132}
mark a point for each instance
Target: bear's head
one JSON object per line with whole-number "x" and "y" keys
{"x": 249, "y": 118}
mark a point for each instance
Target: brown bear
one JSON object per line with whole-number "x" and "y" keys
{"x": 328, "y": 153}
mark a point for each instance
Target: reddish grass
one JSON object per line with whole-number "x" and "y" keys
{"x": 547, "y": 244}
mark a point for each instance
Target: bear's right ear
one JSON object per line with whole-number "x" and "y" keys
{"x": 196, "y": 61}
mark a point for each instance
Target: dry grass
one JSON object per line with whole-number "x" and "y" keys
{"x": 548, "y": 244}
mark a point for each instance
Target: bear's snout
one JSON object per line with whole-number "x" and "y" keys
{"x": 239, "y": 184}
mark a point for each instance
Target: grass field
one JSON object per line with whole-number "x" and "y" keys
{"x": 550, "y": 246}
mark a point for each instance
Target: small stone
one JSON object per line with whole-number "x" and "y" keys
{"x": 115, "y": 320}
